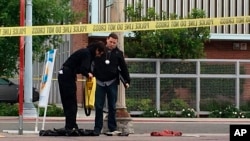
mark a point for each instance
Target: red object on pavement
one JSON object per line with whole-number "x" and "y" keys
{"x": 166, "y": 133}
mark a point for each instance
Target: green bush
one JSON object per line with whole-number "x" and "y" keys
{"x": 138, "y": 105}
{"x": 247, "y": 114}
{"x": 7, "y": 109}
{"x": 168, "y": 114}
{"x": 211, "y": 104}
{"x": 188, "y": 112}
{"x": 52, "y": 111}
{"x": 245, "y": 106}
{"x": 13, "y": 110}
{"x": 228, "y": 112}
{"x": 177, "y": 105}
{"x": 151, "y": 113}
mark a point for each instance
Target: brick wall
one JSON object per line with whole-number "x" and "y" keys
{"x": 224, "y": 50}
{"x": 80, "y": 40}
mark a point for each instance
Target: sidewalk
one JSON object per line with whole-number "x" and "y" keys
{"x": 139, "y": 119}
{"x": 82, "y": 117}
{"x": 135, "y": 137}
{"x": 140, "y": 123}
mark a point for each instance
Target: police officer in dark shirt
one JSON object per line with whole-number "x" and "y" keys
{"x": 107, "y": 69}
{"x": 78, "y": 63}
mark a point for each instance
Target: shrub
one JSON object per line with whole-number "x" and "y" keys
{"x": 151, "y": 113}
{"x": 211, "y": 104}
{"x": 52, "y": 110}
{"x": 168, "y": 114}
{"x": 247, "y": 114}
{"x": 177, "y": 105}
{"x": 228, "y": 112}
{"x": 138, "y": 105}
{"x": 7, "y": 109}
{"x": 245, "y": 106}
{"x": 188, "y": 112}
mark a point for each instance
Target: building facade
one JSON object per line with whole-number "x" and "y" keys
{"x": 230, "y": 40}
{"x": 100, "y": 12}
{"x": 226, "y": 42}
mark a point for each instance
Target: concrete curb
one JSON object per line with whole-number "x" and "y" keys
{"x": 137, "y": 119}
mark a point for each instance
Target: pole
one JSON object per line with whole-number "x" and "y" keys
{"x": 28, "y": 56}
{"x": 21, "y": 65}
{"x": 123, "y": 117}
{"x": 117, "y": 15}
{"x": 29, "y": 108}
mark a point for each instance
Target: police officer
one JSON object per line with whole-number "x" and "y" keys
{"x": 107, "y": 69}
{"x": 78, "y": 63}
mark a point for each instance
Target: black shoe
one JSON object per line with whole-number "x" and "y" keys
{"x": 96, "y": 133}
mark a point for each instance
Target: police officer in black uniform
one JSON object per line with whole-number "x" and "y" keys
{"x": 107, "y": 69}
{"x": 78, "y": 63}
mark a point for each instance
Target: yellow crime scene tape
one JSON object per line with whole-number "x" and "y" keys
{"x": 120, "y": 27}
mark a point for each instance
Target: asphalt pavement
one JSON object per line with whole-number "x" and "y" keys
{"x": 193, "y": 129}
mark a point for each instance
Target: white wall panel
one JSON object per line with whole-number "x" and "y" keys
{"x": 158, "y": 7}
{"x": 239, "y": 9}
{"x": 165, "y": 5}
{"x": 213, "y": 8}
{"x": 246, "y": 12}
{"x": 171, "y": 6}
{"x": 178, "y": 7}
{"x": 185, "y": 8}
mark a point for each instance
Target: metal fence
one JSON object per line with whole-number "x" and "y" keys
{"x": 170, "y": 84}
{"x": 202, "y": 84}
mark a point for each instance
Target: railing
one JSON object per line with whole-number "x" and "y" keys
{"x": 202, "y": 84}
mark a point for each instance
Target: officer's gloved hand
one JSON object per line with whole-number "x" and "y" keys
{"x": 90, "y": 75}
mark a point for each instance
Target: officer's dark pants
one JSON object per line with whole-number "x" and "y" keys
{"x": 67, "y": 87}
{"x": 100, "y": 96}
